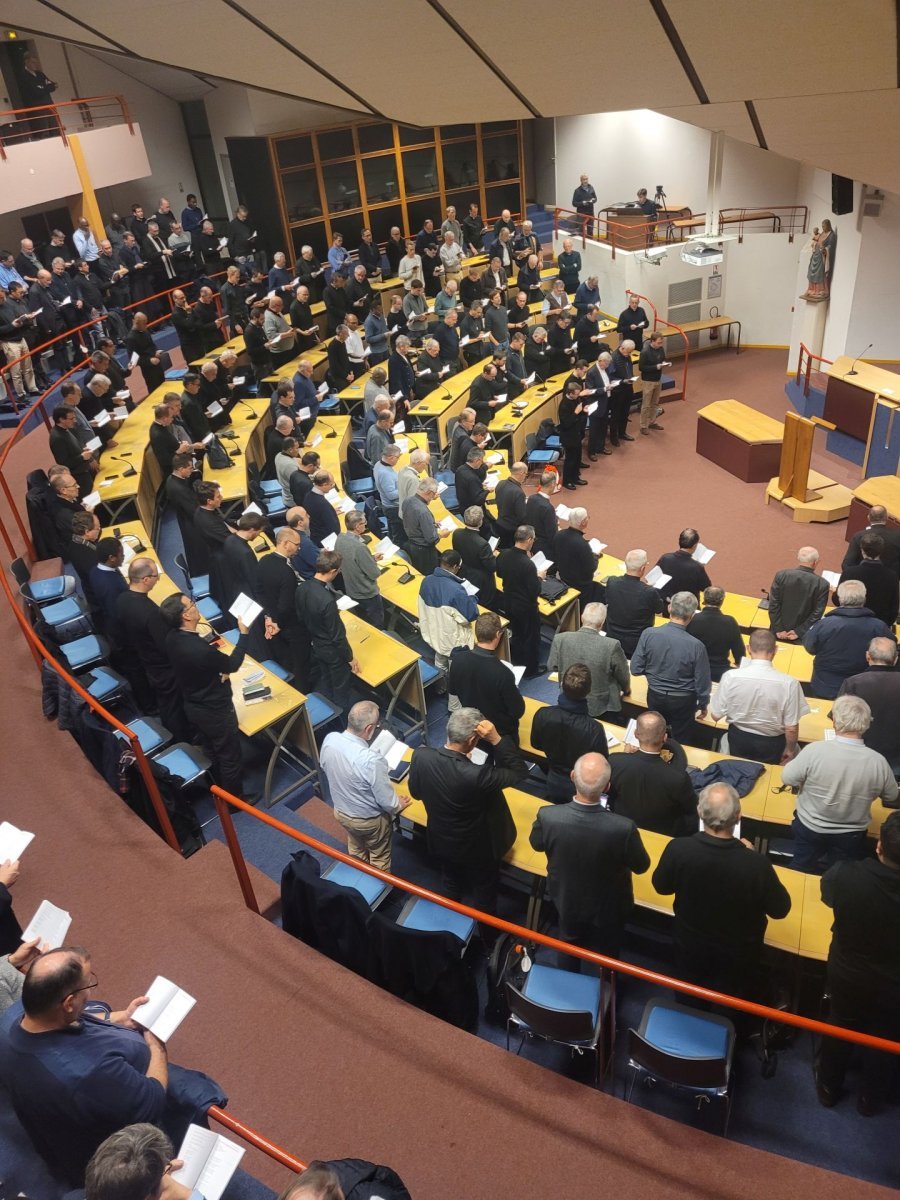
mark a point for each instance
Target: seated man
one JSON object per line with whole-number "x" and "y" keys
{"x": 76, "y": 1071}
{"x": 724, "y": 891}
{"x": 478, "y": 674}
{"x": 603, "y": 656}
{"x": 565, "y": 731}
{"x": 649, "y": 782}
{"x": 838, "y": 782}
{"x": 719, "y": 633}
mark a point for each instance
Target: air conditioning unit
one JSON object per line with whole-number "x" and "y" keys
{"x": 870, "y": 205}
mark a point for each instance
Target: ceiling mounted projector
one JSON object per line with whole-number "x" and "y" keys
{"x": 702, "y": 256}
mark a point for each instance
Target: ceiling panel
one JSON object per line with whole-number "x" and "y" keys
{"x": 220, "y": 42}
{"x": 731, "y": 119}
{"x": 789, "y": 49}
{"x": 595, "y": 61}
{"x": 844, "y": 134}
{"x": 179, "y": 85}
{"x": 32, "y": 15}
{"x": 453, "y": 83}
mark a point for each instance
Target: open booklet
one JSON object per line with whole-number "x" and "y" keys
{"x": 245, "y": 609}
{"x": 13, "y": 842}
{"x": 390, "y": 748}
{"x": 541, "y": 561}
{"x": 657, "y": 578}
{"x": 209, "y": 1160}
{"x": 167, "y": 1006}
{"x": 518, "y": 671}
{"x": 702, "y": 554}
{"x": 50, "y": 924}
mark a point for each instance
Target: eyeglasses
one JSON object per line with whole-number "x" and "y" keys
{"x": 87, "y": 987}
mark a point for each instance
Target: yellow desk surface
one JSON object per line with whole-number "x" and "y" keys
{"x": 881, "y": 489}
{"x": 815, "y": 935}
{"x": 737, "y": 418}
{"x": 318, "y": 356}
{"x": 237, "y": 343}
{"x": 248, "y": 420}
{"x": 539, "y": 401}
{"x": 868, "y": 378}
{"x": 380, "y": 657}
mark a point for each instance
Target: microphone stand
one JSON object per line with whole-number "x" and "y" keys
{"x": 853, "y": 370}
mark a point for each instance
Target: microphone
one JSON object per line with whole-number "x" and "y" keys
{"x": 129, "y": 471}
{"x": 332, "y": 433}
{"x": 853, "y": 370}
{"x": 240, "y": 400}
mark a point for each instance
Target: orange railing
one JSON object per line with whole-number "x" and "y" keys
{"x": 805, "y": 369}
{"x": 673, "y": 328}
{"x": 568, "y": 223}
{"x": 58, "y": 120}
{"x": 248, "y": 1134}
{"x": 785, "y": 218}
{"x": 225, "y": 802}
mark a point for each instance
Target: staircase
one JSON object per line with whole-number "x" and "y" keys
{"x": 543, "y": 225}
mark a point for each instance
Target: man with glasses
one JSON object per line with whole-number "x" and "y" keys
{"x": 77, "y": 1071}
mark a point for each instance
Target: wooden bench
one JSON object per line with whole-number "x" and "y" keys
{"x": 708, "y": 324}
{"x": 740, "y": 440}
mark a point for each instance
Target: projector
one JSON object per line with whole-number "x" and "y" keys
{"x": 702, "y": 256}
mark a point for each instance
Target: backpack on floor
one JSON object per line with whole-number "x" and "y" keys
{"x": 510, "y": 960}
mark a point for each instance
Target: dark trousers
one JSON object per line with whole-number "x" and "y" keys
{"x": 396, "y": 532}
{"x": 869, "y": 1008}
{"x": 424, "y": 558}
{"x": 291, "y": 649}
{"x": 219, "y": 733}
{"x": 471, "y": 883}
{"x": 597, "y": 427}
{"x": 336, "y": 683}
{"x": 525, "y": 639}
{"x": 811, "y": 848}
{"x": 171, "y": 704}
{"x": 506, "y": 536}
{"x": 619, "y": 410}
{"x": 678, "y": 711}
{"x": 602, "y": 939}
{"x": 755, "y": 745}
{"x": 371, "y": 610}
{"x": 572, "y": 464}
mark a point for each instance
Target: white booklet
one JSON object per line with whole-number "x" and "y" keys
{"x": 120, "y": 412}
{"x": 469, "y": 588}
{"x": 214, "y": 409}
{"x": 333, "y": 496}
{"x": 541, "y": 561}
{"x": 167, "y": 1006}
{"x": 493, "y": 459}
{"x": 518, "y": 672}
{"x": 702, "y": 554}
{"x": 597, "y": 546}
{"x": 93, "y": 444}
{"x": 397, "y": 395}
{"x": 209, "y": 1160}
{"x": 124, "y": 394}
{"x": 245, "y": 609}
{"x": 252, "y": 507}
{"x": 386, "y": 548}
{"x": 402, "y": 445}
{"x": 447, "y": 525}
{"x": 390, "y": 748}
{"x": 530, "y": 379}
{"x": 493, "y": 542}
{"x": 102, "y": 418}
{"x": 491, "y": 480}
{"x": 562, "y": 512}
{"x": 322, "y": 389}
{"x": 831, "y": 577}
{"x": 346, "y": 602}
{"x": 630, "y": 739}
{"x": 133, "y": 361}
{"x": 303, "y": 414}
{"x": 657, "y": 578}
{"x": 442, "y": 487}
{"x": 477, "y": 756}
{"x": 346, "y": 505}
{"x": 328, "y": 542}
{"x": 50, "y": 924}
{"x": 591, "y": 408}
{"x": 91, "y": 501}
{"x": 399, "y": 427}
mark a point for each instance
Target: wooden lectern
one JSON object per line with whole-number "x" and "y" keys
{"x": 810, "y": 496}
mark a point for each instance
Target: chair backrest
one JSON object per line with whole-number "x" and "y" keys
{"x": 701, "y": 1073}
{"x": 553, "y": 1023}
{"x": 328, "y": 917}
{"x": 21, "y": 571}
{"x": 181, "y": 563}
{"x": 530, "y": 442}
{"x": 357, "y": 467}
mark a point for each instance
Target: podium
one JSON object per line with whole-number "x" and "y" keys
{"x": 850, "y": 399}
{"x": 809, "y": 495}
{"x": 631, "y": 227}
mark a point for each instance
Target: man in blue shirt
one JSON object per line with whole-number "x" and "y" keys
{"x": 306, "y": 395}
{"x": 337, "y": 255}
{"x": 76, "y": 1071}
{"x": 8, "y": 272}
{"x": 385, "y": 476}
{"x": 677, "y": 668}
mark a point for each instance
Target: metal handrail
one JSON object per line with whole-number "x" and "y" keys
{"x": 89, "y": 110}
{"x": 758, "y": 212}
{"x": 657, "y": 321}
{"x": 602, "y": 229}
{"x": 807, "y": 354}
{"x": 225, "y": 801}
{"x": 248, "y": 1134}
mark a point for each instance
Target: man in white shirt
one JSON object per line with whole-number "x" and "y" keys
{"x": 85, "y": 242}
{"x": 364, "y": 801}
{"x": 762, "y": 706}
{"x": 451, "y": 256}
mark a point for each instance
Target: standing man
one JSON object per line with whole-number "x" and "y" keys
{"x": 446, "y": 610}
{"x": 762, "y": 706}
{"x": 140, "y": 342}
{"x": 864, "y": 968}
{"x": 890, "y": 534}
{"x": 719, "y": 633}
{"x": 591, "y": 854}
{"x": 573, "y": 557}
{"x": 478, "y": 674}
{"x": 318, "y": 611}
{"x": 621, "y": 371}
{"x": 603, "y": 656}
{"x": 881, "y": 582}
{"x": 649, "y": 784}
{"x": 470, "y": 828}
{"x": 724, "y": 891}
{"x": 568, "y": 263}
{"x": 650, "y": 365}
{"x": 510, "y": 497}
{"x": 276, "y": 591}
{"x": 541, "y": 515}
{"x": 360, "y": 570}
{"x": 364, "y": 801}
{"x": 685, "y": 573}
{"x": 564, "y": 731}
{"x": 521, "y": 592}
{"x": 15, "y": 321}
{"x": 879, "y": 686}
{"x": 420, "y": 526}
{"x": 677, "y": 668}
{"x": 839, "y": 641}
{"x": 583, "y": 200}
{"x": 203, "y": 675}
{"x": 632, "y": 323}
{"x": 797, "y": 597}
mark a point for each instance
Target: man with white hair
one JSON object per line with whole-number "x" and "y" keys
{"x": 840, "y": 639}
{"x": 428, "y": 369}
{"x": 879, "y": 686}
{"x": 632, "y": 604}
{"x": 677, "y": 668}
{"x": 421, "y": 528}
{"x": 599, "y": 381}
{"x": 591, "y": 855}
{"x": 797, "y": 597}
{"x": 601, "y": 654}
{"x": 575, "y": 561}
{"x": 838, "y": 780}
{"x": 410, "y": 476}
{"x": 621, "y": 371}
{"x": 724, "y": 892}
{"x": 451, "y": 260}
{"x": 364, "y": 801}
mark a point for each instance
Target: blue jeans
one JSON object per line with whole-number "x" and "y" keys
{"x": 811, "y": 847}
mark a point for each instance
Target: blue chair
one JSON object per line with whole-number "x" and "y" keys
{"x": 320, "y": 710}
{"x": 184, "y": 761}
{"x": 434, "y": 918}
{"x": 275, "y": 505}
{"x": 45, "y": 591}
{"x": 104, "y": 684}
{"x": 84, "y": 652}
{"x": 65, "y": 620}
{"x": 560, "y": 1006}
{"x": 151, "y": 734}
{"x": 372, "y": 890}
{"x": 277, "y": 669}
{"x": 330, "y": 403}
{"x": 195, "y": 585}
{"x": 176, "y": 373}
{"x": 270, "y": 487}
{"x": 690, "y": 1051}
{"x": 537, "y": 460}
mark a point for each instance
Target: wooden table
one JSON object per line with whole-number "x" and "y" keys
{"x": 880, "y": 489}
{"x": 704, "y": 326}
{"x": 742, "y": 441}
{"x": 850, "y": 399}
{"x": 510, "y": 427}
{"x": 434, "y": 413}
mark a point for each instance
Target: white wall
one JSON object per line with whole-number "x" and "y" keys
{"x": 876, "y": 298}
{"x": 751, "y": 176}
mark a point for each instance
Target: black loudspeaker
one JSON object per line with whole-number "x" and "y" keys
{"x": 841, "y": 195}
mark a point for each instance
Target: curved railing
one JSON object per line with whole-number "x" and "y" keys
{"x": 805, "y": 369}
{"x": 57, "y": 120}
{"x": 670, "y": 325}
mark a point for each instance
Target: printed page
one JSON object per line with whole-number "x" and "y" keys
{"x": 13, "y": 842}
{"x": 518, "y": 671}
{"x": 702, "y": 554}
{"x": 541, "y": 561}
{"x": 50, "y": 924}
{"x": 656, "y": 578}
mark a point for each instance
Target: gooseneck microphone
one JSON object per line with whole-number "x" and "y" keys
{"x": 853, "y": 370}
{"x": 130, "y": 470}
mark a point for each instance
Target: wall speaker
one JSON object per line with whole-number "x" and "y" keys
{"x": 841, "y": 195}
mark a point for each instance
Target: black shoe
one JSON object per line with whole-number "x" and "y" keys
{"x": 570, "y": 487}
{"x": 626, "y": 437}
{"x": 604, "y": 451}
{"x": 866, "y": 1106}
{"x": 655, "y": 425}
{"x": 581, "y": 483}
{"x": 828, "y": 1097}
{"x": 542, "y": 669}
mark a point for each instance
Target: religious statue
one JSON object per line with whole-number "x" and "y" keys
{"x": 821, "y": 263}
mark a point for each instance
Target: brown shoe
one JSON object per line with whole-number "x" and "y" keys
{"x": 654, "y": 425}
{"x": 645, "y": 433}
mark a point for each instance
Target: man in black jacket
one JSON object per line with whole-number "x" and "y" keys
{"x": 521, "y": 591}
{"x": 478, "y": 675}
{"x": 510, "y": 496}
{"x": 192, "y": 413}
{"x": 180, "y": 494}
{"x": 881, "y": 582}
{"x": 67, "y": 450}
{"x": 276, "y": 591}
{"x": 686, "y": 574}
{"x": 719, "y": 633}
{"x": 864, "y": 968}
{"x": 650, "y": 784}
{"x": 478, "y": 562}
{"x": 724, "y": 891}
{"x": 565, "y": 731}
{"x": 469, "y": 481}
{"x": 541, "y": 514}
{"x": 797, "y": 597}
{"x": 879, "y": 686}
{"x": 323, "y": 520}
{"x": 573, "y": 557}
{"x": 470, "y": 827}
{"x": 461, "y": 438}
{"x": 332, "y": 654}
{"x": 591, "y": 854}
{"x": 212, "y": 528}
{"x": 185, "y": 324}
{"x": 239, "y": 558}
{"x": 890, "y": 555}
{"x": 140, "y": 342}
{"x": 632, "y": 323}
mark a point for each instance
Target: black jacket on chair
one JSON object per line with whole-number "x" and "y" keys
{"x": 325, "y": 915}
{"x": 481, "y": 681}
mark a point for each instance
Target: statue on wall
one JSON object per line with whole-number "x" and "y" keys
{"x": 821, "y": 263}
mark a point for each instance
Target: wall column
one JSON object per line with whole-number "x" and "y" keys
{"x": 86, "y": 204}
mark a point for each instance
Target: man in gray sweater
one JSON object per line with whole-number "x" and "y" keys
{"x": 838, "y": 780}
{"x": 360, "y": 570}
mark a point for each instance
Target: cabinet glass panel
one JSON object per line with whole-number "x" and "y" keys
{"x": 311, "y": 235}
{"x": 294, "y": 152}
{"x": 383, "y": 219}
{"x": 375, "y": 137}
{"x": 501, "y": 157}
{"x": 460, "y": 164}
{"x": 341, "y": 186}
{"x": 380, "y": 175}
{"x": 301, "y": 195}
{"x": 413, "y": 135}
{"x": 335, "y": 143}
{"x": 420, "y": 172}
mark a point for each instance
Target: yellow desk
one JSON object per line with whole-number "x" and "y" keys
{"x": 815, "y": 935}
{"x": 318, "y": 356}
{"x": 511, "y": 427}
{"x": 449, "y": 398}
{"x": 249, "y": 420}
{"x": 386, "y": 663}
{"x": 781, "y": 805}
{"x": 405, "y": 596}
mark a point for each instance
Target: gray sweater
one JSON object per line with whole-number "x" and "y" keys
{"x": 358, "y": 567}
{"x": 11, "y": 980}
{"x": 421, "y": 527}
{"x": 838, "y": 782}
